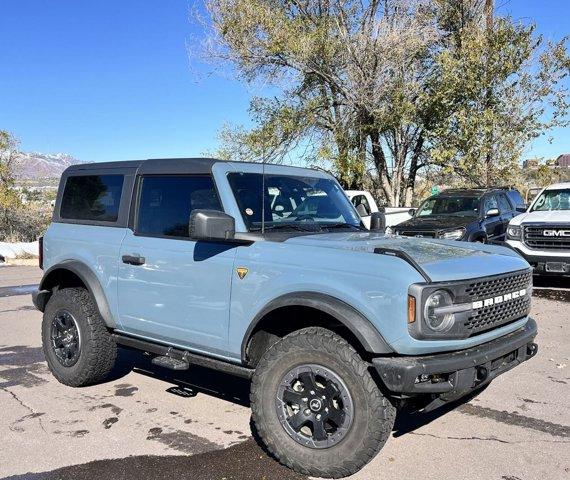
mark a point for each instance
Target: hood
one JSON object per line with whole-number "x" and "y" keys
{"x": 442, "y": 260}
{"x": 552, "y": 216}
{"x": 435, "y": 222}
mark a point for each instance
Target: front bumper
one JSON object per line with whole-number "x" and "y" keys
{"x": 460, "y": 371}
{"x": 543, "y": 262}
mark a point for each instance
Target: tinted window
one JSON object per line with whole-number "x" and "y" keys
{"x": 165, "y": 203}
{"x": 504, "y": 204}
{"x": 92, "y": 197}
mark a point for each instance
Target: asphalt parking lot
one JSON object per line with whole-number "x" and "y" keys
{"x": 149, "y": 423}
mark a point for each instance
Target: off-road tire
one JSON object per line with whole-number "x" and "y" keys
{"x": 98, "y": 349}
{"x": 373, "y": 418}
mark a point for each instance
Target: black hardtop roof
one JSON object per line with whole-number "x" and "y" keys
{"x": 152, "y": 165}
{"x": 192, "y": 166}
{"x": 469, "y": 192}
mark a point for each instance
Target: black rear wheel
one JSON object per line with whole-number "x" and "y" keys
{"x": 65, "y": 338}
{"x": 78, "y": 347}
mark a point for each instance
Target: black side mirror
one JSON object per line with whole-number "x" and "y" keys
{"x": 411, "y": 212}
{"x": 211, "y": 225}
{"x": 521, "y": 208}
{"x": 378, "y": 222}
{"x": 493, "y": 212}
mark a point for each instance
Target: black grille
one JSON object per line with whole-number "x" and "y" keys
{"x": 534, "y": 237}
{"x": 498, "y": 286}
{"x": 423, "y": 233}
{"x": 487, "y": 318}
{"x": 497, "y": 315}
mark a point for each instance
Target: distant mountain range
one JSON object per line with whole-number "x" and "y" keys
{"x": 35, "y": 165}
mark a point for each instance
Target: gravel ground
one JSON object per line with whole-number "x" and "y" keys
{"x": 150, "y": 423}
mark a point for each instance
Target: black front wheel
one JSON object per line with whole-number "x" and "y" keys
{"x": 316, "y": 407}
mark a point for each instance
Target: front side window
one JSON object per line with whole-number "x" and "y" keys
{"x": 165, "y": 203}
{"x": 504, "y": 204}
{"x": 490, "y": 203}
{"x": 458, "y": 206}
{"x": 93, "y": 198}
{"x": 295, "y": 202}
{"x": 552, "y": 200}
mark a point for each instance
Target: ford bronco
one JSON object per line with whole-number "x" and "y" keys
{"x": 267, "y": 272}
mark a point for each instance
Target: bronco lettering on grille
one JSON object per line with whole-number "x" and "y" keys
{"x": 499, "y": 299}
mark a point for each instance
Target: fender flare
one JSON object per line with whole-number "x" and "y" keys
{"x": 90, "y": 280}
{"x": 368, "y": 336}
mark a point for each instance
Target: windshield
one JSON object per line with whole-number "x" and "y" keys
{"x": 301, "y": 203}
{"x": 552, "y": 200}
{"x": 463, "y": 206}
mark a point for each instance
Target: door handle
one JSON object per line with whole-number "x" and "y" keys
{"x": 133, "y": 259}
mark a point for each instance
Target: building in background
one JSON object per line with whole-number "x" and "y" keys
{"x": 563, "y": 160}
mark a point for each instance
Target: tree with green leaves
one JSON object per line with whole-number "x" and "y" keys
{"x": 385, "y": 89}
{"x": 8, "y": 153}
{"x": 498, "y": 89}
{"x": 18, "y": 222}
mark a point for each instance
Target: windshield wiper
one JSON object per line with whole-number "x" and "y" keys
{"x": 292, "y": 226}
{"x": 342, "y": 225}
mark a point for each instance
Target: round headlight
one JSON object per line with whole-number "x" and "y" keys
{"x": 437, "y": 320}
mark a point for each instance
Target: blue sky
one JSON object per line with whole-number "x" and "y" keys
{"x": 112, "y": 80}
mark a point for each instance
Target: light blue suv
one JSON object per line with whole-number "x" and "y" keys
{"x": 266, "y": 272}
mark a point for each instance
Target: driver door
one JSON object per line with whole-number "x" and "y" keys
{"x": 172, "y": 288}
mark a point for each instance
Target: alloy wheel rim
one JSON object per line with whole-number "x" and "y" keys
{"x": 65, "y": 338}
{"x": 314, "y": 406}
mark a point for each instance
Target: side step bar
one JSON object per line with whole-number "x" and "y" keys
{"x": 180, "y": 357}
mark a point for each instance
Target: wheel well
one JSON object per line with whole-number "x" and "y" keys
{"x": 284, "y": 320}
{"x": 478, "y": 236}
{"x": 62, "y": 278}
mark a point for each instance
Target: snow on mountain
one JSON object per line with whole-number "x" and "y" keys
{"x": 34, "y": 165}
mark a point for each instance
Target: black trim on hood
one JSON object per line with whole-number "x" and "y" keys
{"x": 407, "y": 258}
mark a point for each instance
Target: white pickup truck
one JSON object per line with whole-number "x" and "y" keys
{"x": 542, "y": 234}
{"x": 366, "y": 206}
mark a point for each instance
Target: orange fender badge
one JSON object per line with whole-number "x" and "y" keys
{"x": 242, "y": 272}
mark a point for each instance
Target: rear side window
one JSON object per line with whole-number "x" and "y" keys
{"x": 165, "y": 203}
{"x": 92, "y": 197}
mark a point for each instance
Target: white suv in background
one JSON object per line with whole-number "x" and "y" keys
{"x": 542, "y": 234}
